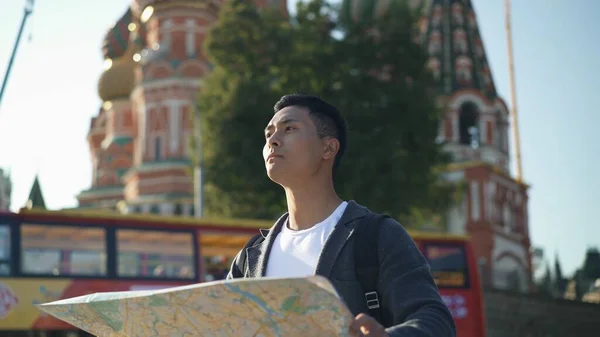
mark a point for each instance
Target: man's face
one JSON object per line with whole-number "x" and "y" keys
{"x": 293, "y": 150}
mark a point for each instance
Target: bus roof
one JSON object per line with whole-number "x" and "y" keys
{"x": 182, "y": 221}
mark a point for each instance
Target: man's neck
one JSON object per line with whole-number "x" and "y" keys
{"x": 310, "y": 204}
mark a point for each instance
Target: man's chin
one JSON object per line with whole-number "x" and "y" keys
{"x": 276, "y": 176}
{"x": 273, "y": 175}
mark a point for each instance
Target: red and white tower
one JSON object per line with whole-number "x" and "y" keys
{"x": 111, "y": 134}
{"x": 475, "y": 131}
{"x": 168, "y": 79}
{"x": 139, "y": 140}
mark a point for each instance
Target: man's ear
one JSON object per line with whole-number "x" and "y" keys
{"x": 332, "y": 146}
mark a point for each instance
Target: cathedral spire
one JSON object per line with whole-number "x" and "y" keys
{"x": 475, "y": 127}
{"x": 450, "y": 33}
{"x": 36, "y": 198}
{"x": 475, "y": 131}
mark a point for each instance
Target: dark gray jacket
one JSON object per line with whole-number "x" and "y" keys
{"x": 408, "y": 294}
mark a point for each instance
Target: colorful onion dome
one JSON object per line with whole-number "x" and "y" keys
{"x": 119, "y": 79}
{"x": 126, "y": 38}
{"x": 116, "y": 39}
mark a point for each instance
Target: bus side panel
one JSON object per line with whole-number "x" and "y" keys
{"x": 18, "y": 297}
{"x": 466, "y": 305}
{"x": 477, "y": 291}
{"x": 465, "y": 315}
{"x": 464, "y": 302}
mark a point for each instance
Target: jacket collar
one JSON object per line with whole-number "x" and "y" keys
{"x": 258, "y": 255}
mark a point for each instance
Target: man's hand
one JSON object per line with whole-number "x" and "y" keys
{"x": 365, "y": 325}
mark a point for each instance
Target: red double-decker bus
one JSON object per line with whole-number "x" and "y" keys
{"x": 51, "y": 255}
{"x": 454, "y": 269}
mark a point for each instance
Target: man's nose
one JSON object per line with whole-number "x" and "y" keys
{"x": 274, "y": 141}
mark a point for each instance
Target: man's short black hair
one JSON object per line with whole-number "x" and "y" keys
{"x": 327, "y": 119}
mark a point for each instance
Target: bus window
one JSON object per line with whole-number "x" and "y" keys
{"x": 63, "y": 250}
{"x": 146, "y": 253}
{"x": 5, "y": 248}
{"x": 448, "y": 264}
{"x": 216, "y": 267}
{"x": 218, "y": 251}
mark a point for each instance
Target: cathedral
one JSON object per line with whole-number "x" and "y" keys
{"x": 475, "y": 131}
{"x": 154, "y": 65}
{"x": 154, "y": 69}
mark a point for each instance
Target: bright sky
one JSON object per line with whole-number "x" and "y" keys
{"x": 52, "y": 94}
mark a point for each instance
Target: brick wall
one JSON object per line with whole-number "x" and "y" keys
{"x": 516, "y": 315}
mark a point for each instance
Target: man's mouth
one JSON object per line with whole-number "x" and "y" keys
{"x": 273, "y": 156}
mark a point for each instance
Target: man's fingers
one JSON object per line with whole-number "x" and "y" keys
{"x": 355, "y": 329}
{"x": 355, "y": 333}
{"x": 367, "y": 325}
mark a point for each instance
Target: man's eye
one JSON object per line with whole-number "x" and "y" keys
{"x": 288, "y": 128}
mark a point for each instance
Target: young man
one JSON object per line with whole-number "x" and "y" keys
{"x": 305, "y": 141}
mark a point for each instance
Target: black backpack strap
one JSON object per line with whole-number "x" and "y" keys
{"x": 366, "y": 259}
{"x": 241, "y": 262}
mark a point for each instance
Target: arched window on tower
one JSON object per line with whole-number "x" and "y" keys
{"x": 468, "y": 125}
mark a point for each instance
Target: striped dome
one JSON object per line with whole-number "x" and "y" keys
{"x": 117, "y": 38}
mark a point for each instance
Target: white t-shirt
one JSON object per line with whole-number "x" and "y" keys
{"x": 296, "y": 253}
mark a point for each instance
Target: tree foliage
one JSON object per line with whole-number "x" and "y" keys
{"x": 372, "y": 70}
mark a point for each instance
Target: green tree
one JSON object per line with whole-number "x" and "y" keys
{"x": 545, "y": 285}
{"x": 375, "y": 74}
{"x": 246, "y": 46}
{"x": 393, "y": 162}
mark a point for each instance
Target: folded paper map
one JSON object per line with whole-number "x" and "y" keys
{"x": 278, "y": 307}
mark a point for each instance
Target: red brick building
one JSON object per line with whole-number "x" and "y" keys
{"x": 139, "y": 138}
{"x": 476, "y": 131}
